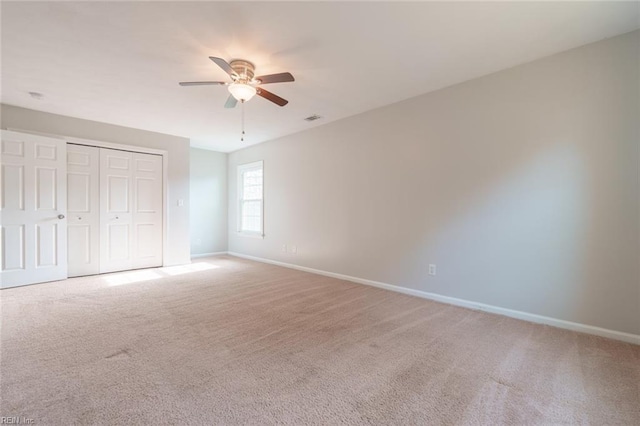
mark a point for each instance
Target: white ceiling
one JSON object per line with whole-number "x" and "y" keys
{"x": 120, "y": 62}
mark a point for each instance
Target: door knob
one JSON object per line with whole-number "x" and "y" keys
{"x": 60, "y": 216}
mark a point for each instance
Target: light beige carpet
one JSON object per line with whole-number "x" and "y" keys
{"x": 229, "y": 341}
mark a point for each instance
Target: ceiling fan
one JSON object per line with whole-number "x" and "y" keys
{"x": 244, "y": 84}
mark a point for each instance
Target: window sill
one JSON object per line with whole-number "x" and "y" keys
{"x": 251, "y": 234}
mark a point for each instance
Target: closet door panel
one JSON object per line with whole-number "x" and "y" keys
{"x": 147, "y": 214}
{"x": 80, "y": 242}
{"x": 116, "y": 213}
{"x": 83, "y": 207}
{"x": 119, "y": 239}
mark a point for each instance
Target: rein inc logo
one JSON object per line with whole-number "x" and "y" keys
{"x": 16, "y": 420}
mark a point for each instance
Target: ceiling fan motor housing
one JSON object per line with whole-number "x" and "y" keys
{"x": 244, "y": 69}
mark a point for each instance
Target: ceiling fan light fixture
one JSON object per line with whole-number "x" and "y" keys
{"x": 242, "y": 92}
{"x": 243, "y": 82}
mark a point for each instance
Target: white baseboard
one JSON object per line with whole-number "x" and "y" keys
{"x": 199, "y": 255}
{"x": 574, "y": 326}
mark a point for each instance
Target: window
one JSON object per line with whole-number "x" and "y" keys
{"x": 250, "y": 208}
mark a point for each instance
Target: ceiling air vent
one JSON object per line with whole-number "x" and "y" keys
{"x": 313, "y": 117}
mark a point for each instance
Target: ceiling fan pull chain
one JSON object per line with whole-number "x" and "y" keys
{"x": 242, "y": 137}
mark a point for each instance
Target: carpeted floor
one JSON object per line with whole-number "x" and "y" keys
{"x": 229, "y": 341}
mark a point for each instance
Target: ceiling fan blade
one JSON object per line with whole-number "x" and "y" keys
{"x": 224, "y": 65}
{"x": 271, "y": 97}
{"x": 201, "y": 83}
{"x": 283, "y": 77}
{"x": 231, "y": 102}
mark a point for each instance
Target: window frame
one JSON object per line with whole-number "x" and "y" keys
{"x": 242, "y": 169}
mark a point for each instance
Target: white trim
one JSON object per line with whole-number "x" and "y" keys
{"x": 525, "y": 316}
{"x": 165, "y": 207}
{"x": 117, "y": 146}
{"x": 248, "y": 234}
{"x": 31, "y": 132}
{"x": 215, "y": 253}
{"x": 93, "y": 142}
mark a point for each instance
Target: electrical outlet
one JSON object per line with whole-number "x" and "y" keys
{"x": 432, "y": 269}
{"x": 284, "y": 248}
{"x": 294, "y": 249}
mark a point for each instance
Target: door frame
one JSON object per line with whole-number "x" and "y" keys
{"x": 130, "y": 148}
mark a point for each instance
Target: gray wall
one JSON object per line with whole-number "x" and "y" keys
{"x": 208, "y": 201}
{"x": 522, "y": 186}
{"x": 178, "y": 148}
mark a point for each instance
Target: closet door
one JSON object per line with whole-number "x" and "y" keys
{"x": 116, "y": 212}
{"x": 33, "y": 196}
{"x": 130, "y": 210}
{"x": 147, "y": 210}
{"x": 83, "y": 208}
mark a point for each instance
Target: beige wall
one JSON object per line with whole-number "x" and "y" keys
{"x": 178, "y": 148}
{"x": 208, "y": 209}
{"x": 522, "y": 186}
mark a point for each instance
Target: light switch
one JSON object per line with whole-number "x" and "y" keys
{"x": 180, "y": 202}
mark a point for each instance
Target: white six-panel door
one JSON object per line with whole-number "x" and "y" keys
{"x": 83, "y": 209}
{"x": 130, "y": 210}
{"x": 147, "y": 210}
{"x": 116, "y": 218}
{"x": 33, "y": 203}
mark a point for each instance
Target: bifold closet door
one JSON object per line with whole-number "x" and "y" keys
{"x": 83, "y": 209}
{"x": 130, "y": 210}
{"x": 147, "y": 210}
